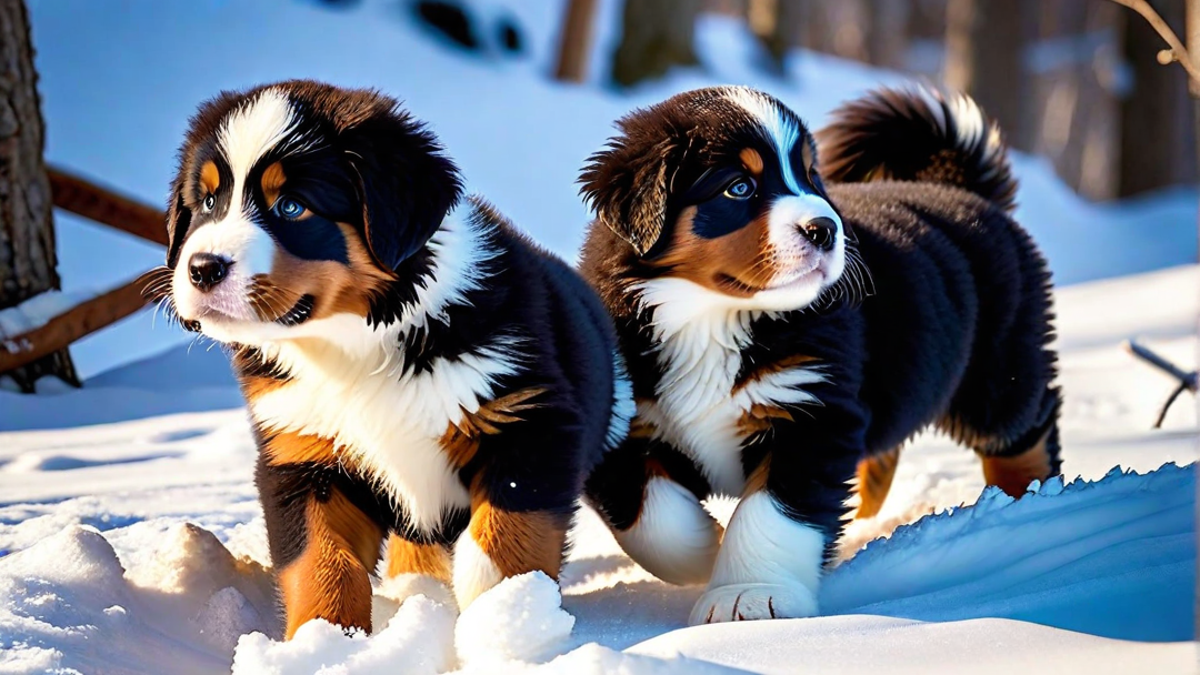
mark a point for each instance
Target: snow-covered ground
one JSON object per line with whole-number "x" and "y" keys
{"x": 137, "y": 543}
{"x": 131, "y": 540}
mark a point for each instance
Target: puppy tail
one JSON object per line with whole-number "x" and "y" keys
{"x": 917, "y": 134}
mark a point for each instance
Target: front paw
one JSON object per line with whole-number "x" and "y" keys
{"x": 751, "y": 602}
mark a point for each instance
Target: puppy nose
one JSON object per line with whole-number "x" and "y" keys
{"x": 207, "y": 270}
{"x": 822, "y": 232}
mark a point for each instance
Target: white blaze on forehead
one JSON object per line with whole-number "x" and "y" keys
{"x": 252, "y": 130}
{"x": 781, "y": 128}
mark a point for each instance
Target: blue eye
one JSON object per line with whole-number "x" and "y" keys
{"x": 741, "y": 188}
{"x": 289, "y": 208}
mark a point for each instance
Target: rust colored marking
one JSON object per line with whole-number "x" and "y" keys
{"x": 874, "y": 481}
{"x": 520, "y": 542}
{"x": 1014, "y": 474}
{"x": 752, "y": 161}
{"x": 406, "y": 557}
{"x": 331, "y": 577}
{"x": 210, "y": 178}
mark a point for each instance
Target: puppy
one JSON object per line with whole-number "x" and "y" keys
{"x": 736, "y": 271}
{"x": 413, "y": 367}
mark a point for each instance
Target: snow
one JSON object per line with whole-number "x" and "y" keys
{"x": 146, "y": 530}
{"x": 139, "y": 70}
{"x": 131, "y": 539}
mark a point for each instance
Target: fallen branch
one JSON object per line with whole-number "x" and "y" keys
{"x": 1178, "y": 52}
{"x": 1187, "y": 381}
{"x": 83, "y": 198}
{"x": 77, "y": 322}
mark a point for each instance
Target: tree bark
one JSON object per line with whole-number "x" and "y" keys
{"x": 657, "y": 35}
{"x": 575, "y": 41}
{"x": 1156, "y": 123}
{"x": 28, "y": 258}
{"x": 985, "y": 44}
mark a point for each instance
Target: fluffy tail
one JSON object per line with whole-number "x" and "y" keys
{"x": 919, "y": 135}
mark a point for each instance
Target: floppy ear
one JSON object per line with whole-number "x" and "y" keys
{"x": 405, "y": 183}
{"x": 179, "y": 219}
{"x": 628, "y": 186}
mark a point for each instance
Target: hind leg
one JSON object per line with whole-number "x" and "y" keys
{"x": 875, "y": 475}
{"x": 1012, "y": 461}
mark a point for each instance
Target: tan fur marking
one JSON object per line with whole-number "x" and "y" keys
{"x": 752, "y": 161}
{"x": 292, "y": 448}
{"x": 273, "y": 179}
{"x": 772, "y": 368}
{"x": 757, "y": 480}
{"x": 1013, "y": 474}
{"x": 738, "y": 264}
{"x": 210, "y": 178}
{"x": 520, "y": 542}
{"x": 338, "y": 288}
{"x": 461, "y": 442}
{"x": 759, "y": 418}
{"x": 331, "y": 577}
{"x": 406, "y": 557}
{"x": 874, "y": 481}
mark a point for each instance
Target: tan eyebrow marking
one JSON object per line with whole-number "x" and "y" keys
{"x": 272, "y": 182}
{"x": 752, "y": 160}
{"x": 210, "y": 178}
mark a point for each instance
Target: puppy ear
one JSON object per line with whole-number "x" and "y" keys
{"x": 628, "y": 187}
{"x": 405, "y": 183}
{"x": 179, "y": 219}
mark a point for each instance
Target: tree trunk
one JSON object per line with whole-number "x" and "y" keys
{"x": 1156, "y": 124}
{"x": 657, "y": 35}
{"x": 985, "y": 43}
{"x": 575, "y": 41}
{"x": 27, "y": 253}
{"x": 887, "y": 33}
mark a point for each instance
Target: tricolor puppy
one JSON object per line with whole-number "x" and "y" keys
{"x": 413, "y": 370}
{"x": 737, "y": 270}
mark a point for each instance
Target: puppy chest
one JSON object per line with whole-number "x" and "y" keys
{"x": 391, "y": 428}
{"x": 706, "y": 407}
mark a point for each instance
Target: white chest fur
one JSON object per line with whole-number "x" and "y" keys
{"x": 696, "y": 408}
{"x": 388, "y": 424}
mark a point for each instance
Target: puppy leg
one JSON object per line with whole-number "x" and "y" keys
{"x": 1013, "y": 459}
{"x": 875, "y": 475}
{"x": 639, "y": 490}
{"x": 415, "y": 568}
{"x": 324, "y": 547}
{"x": 500, "y": 543}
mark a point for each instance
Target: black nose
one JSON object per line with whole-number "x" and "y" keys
{"x": 207, "y": 270}
{"x": 822, "y": 232}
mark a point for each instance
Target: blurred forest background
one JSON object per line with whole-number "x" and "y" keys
{"x": 1077, "y": 81}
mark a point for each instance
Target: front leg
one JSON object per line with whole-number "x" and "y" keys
{"x": 324, "y": 545}
{"x": 525, "y": 471}
{"x": 781, "y": 534}
{"x": 649, "y": 495}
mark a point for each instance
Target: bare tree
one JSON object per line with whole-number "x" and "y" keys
{"x": 985, "y": 42}
{"x": 575, "y": 41}
{"x": 27, "y": 255}
{"x": 657, "y": 35}
{"x": 1156, "y": 120}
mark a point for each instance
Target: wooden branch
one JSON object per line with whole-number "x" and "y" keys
{"x": 1177, "y": 49}
{"x": 1187, "y": 381}
{"x": 64, "y": 329}
{"x": 83, "y": 198}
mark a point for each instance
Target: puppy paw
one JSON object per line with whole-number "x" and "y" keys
{"x": 751, "y": 602}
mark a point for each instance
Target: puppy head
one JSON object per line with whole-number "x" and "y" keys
{"x": 720, "y": 187}
{"x": 295, "y": 202}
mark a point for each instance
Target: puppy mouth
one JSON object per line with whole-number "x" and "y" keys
{"x": 299, "y": 313}
{"x": 739, "y": 287}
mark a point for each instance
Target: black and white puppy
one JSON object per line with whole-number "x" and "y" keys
{"x": 736, "y": 272}
{"x": 413, "y": 367}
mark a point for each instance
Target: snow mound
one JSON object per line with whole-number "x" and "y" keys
{"x": 418, "y": 640}
{"x": 520, "y": 619}
{"x": 1113, "y": 557}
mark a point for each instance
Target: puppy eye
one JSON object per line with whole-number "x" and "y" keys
{"x": 742, "y": 188}
{"x": 209, "y": 202}
{"x": 289, "y": 208}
